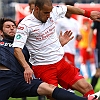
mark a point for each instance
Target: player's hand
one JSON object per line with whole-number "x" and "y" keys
{"x": 95, "y": 15}
{"x": 65, "y": 38}
{"x": 28, "y": 74}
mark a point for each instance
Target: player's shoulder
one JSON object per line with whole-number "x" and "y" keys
{"x": 27, "y": 19}
{"x": 26, "y": 22}
{"x": 59, "y": 8}
{"x": 59, "y": 5}
{"x": 30, "y": 20}
{"x": 63, "y": 19}
{"x": 73, "y": 19}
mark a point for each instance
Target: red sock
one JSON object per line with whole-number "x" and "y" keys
{"x": 89, "y": 93}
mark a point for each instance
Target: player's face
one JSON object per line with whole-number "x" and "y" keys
{"x": 9, "y": 29}
{"x": 44, "y": 13}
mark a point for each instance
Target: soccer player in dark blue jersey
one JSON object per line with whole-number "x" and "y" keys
{"x": 12, "y": 82}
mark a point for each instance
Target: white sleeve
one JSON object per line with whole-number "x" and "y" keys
{"x": 59, "y": 11}
{"x": 21, "y": 36}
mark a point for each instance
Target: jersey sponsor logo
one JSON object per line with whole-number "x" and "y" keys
{"x": 6, "y": 44}
{"x": 18, "y": 36}
{"x": 35, "y": 30}
{"x": 1, "y": 43}
{"x": 20, "y": 28}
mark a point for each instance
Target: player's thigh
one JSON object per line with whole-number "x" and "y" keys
{"x": 66, "y": 74}
{"x": 6, "y": 83}
{"x": 24, "y": 89}
{"x": 47, "y": 73}
{"x": 82, "y": 86}
{"x": 69, "y": 58}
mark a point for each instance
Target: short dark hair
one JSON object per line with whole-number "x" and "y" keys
{"x": 3, "y": 20}
{"x": 69, "y": 3}
{"x": 41, "y": 3}
{"x": 31, "y": 2}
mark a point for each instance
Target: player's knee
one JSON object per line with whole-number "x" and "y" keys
{"x": 97, "y": 74}
{"x": 88, "y": 86}
{"x": 45, "y": 89}
{"x": 52, "y": 86}
{"x": 41, "y": 89}
{"x": 82, "y": 86}
{"x": 85, "y": 85}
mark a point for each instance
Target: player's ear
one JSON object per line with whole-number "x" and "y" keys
{"x": 36, "y": 8}
{"x": 1, "y": 33}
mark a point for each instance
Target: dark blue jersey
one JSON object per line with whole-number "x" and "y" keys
{"x": 7, "y": 57}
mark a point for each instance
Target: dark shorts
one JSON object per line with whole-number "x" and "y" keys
{"x": 13, "y": 85}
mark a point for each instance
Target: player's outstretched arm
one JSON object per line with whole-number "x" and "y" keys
{"x": 94, "y": 15}
{"x": 28, "y": 72}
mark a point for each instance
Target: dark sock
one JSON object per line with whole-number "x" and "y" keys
{"x": 24, "y": 98}
{"x": 94, "y": 81}
{"x": 41, "y": 97}
{"x": 61, "y": 94}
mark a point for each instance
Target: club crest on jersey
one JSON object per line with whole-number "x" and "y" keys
{"x": 18, "y": 36}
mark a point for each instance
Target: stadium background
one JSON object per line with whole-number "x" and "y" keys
{"x": 7, "y": 7}
{"x": 17, "y": 9}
